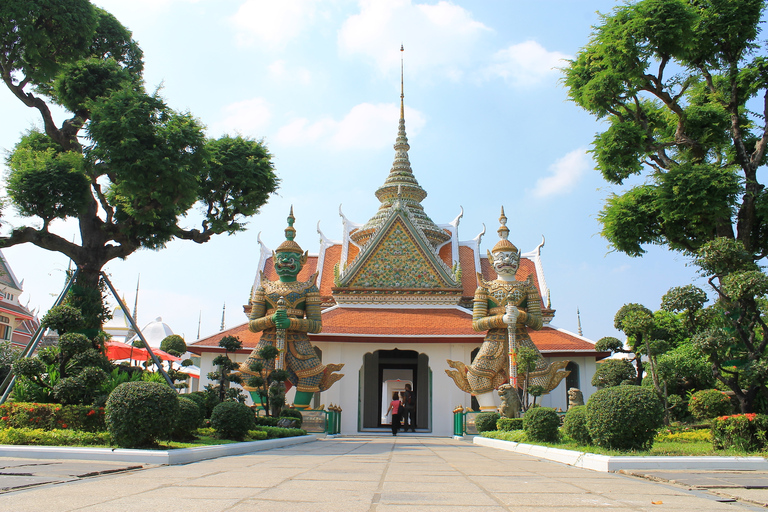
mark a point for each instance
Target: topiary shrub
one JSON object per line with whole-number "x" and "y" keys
{"x": 139, "y": 413}
{"x": 509, "y": 424}
{"x": 709, "y": 403}
{"x": 267, "y": 421}
{"x": 232, "y": 420}
{"x": 575, "y": 425}
{"x": 541, "y": 424}
{"x": 624, "y": 417}
{"x": 294, "y": 414}
{"x": 486, "y": 421}
{"x": 190, "y": 418}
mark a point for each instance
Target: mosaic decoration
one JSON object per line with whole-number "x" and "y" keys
{"x": 489, "y": 369}
{"x": 302, "y": 308}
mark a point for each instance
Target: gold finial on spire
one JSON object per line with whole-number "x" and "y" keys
{"x": 402, "y": 90}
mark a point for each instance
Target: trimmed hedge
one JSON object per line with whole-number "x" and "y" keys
{"x": 86, "y": 418}
{"x": 624, "y": 417}
{"x": 541, "y": 424}
{"x": 509, "y": 424}
{"x": 278, "y": 432}
{"x": 189, "y": 419}
{"x": 139, "y": 413}
{"x": 40, "y": 437}
{"x": 266, "y": 421}
{"x": 575, "y": 425}
{"x": 294, "y": 414}
{"x": 486, "y": 421}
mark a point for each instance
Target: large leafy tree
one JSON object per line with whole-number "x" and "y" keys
{"x": 683, "y": 88}
{"x": 124, "y": 164}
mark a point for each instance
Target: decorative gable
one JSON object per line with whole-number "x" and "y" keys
{"x": 397, "y": 264}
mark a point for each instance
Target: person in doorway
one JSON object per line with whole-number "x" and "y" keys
{"x": 409, "y": 409}
{"x": 395, "y": 406}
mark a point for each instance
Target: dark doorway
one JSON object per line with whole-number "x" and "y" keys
{"x": 383, "y": 365}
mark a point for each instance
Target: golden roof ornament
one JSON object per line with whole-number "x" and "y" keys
{"x": 503, "y": 245}
{"x": 290, "y": 233}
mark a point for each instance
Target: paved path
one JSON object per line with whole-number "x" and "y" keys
{"x": 371, "y": 474}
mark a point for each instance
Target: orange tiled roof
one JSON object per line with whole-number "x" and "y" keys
{"x": 550, "y": 339}
{"x": 398, "y": 322}
{"x": 445, "y": 254}
{"x": 332, "y": 257}
{"x": 468, "y": 271}
{"x": 211, "y": 343}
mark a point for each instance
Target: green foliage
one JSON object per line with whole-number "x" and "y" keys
{"x": 189, "y": 419}
{"x": 613, "y": 372}
{"x": 121, "y": 163}
{"x": 140, "y": 413}
{"x": 709, "y": 403}
{"x": 63, "y": 319}
{"x": 267, "y": 421}
{"x": 279, "y": 432}
{"x": 486, "y": 421}
{"x": 52, "y": 416}
{"x": 8, "y": 355}
{"x": 223, "y": 376}
{"x": 232, "y": 420}
{"x": 624, "y": 417}
{"x": 608, "y": 344}
{"x": 747, "y": 432}
{"x": 174, "y": 345}
{"x": 575, "y": 425}
{"x": 293, "y": 414}
{"x": 508, "y": 424}
{"x": 541, "y": 424}
{"x": 41, "y": 437}
{"x": 685, "y": 368}
{"x": 207, "y": 400}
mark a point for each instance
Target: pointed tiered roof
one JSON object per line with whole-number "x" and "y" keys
{"x": 401, "y": 185}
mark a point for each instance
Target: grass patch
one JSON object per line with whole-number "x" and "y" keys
{"x": 688, "y": 443}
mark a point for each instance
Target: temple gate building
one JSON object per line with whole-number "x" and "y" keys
{"x": 397, "y": 296}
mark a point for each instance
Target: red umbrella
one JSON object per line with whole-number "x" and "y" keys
{"x": 165, "y": 356}
{"x": 118, "y": 351}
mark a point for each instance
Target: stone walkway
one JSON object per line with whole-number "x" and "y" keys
{"x": 372, "y": 474}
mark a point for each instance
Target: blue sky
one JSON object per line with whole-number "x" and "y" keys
{"x": 488, "y": 122}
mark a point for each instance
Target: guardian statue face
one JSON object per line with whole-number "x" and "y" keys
{"x": 506, "y": 263}
{"x": 288, "y": 265}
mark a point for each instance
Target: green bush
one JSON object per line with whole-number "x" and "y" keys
{"x": 709, "y": 403}
{"x": 139, "y": 413}
{"x": 624, "y": 417}
{"x": 747, "y": 432}
{"x": 508, "y": 424}
{"x": 278, "y": 432}
{"x": 541, "y": 424}
{"x": 293, "y": 414}
{"x": 575, "y": 425}
{"x": 486, "y": 421}
{"x": 52, "y": 416}
{"x": 267, "y": 421}
{"x": 188, "y": 421}
{"x": 232, "y": 420}
{"x": 40, "y": 437}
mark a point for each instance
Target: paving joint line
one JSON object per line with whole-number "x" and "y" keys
{"x": 376, "y": 500}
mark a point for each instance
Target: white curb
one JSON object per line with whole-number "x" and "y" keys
{"x": 167, "y": 457}
{"x": 607, "y": 463}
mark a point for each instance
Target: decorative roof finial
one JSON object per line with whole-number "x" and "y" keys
{"x": 578, "y": 318}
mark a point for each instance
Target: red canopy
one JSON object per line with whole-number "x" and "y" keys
{"x": 117, "y": 351}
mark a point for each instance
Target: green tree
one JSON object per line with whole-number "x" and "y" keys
{"x": 124, "y": 164}
{"x": 223, "y": 375}
{"x": 174, "y": 345}
{"x": 526, "y": 363}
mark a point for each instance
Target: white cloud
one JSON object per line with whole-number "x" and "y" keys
{"x": 365, "y": 126}
{"x": 564, "y": 174}
{"x": 247, "y": 117}
{"x": 438, "y": 38}
{"x": 272, "y": 22}
{"x": 526, "y": 64}
{"x": 280, "y": 71}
